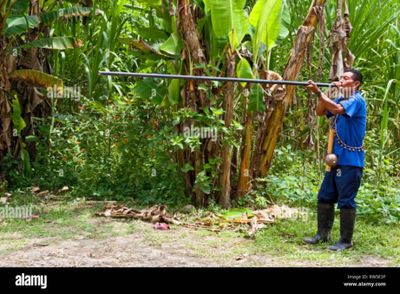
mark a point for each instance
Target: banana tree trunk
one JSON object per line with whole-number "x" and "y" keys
{"x": 341, "y": 56}
{"x": 6, "y": 132}
{"x": 30, "y": 97}
{"x": 244, "y": 172}
{"x": 277, "y": 94}
{"x": 5, "y": 108}
{"x": 225, "y": 198}
{"x": 194, "y": 99}
{"x": 303, "y": 39}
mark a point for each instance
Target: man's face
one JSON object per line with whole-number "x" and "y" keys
{"x": 347, "y": 79}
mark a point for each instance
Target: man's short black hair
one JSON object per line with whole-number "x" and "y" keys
{"x": 357, "y": 75}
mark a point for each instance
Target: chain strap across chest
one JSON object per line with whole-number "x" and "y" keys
{"x": 341, "y": 142}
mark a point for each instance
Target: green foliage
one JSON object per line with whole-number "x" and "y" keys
{"x": 256, "y": 99}
{"x": 203, "y": 182}
{"x": 106, "y": 151}
{"x": 243, "y": 70}
{"x": 172, "y": 45}
{"x": 18, "y": 122}
{"x": 66, "y": 13}
{"x": 370, "y": 21}
{"x": 256, "y": 199}
{"x": 266, "y": 20}
{"x": 380, "y": 203}
{"x": 55, "y": 43}
{"x": 20, "y": 24}
{"x": 228, "y": 19}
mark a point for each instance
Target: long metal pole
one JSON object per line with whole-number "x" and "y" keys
{"x": 206, "y": 78}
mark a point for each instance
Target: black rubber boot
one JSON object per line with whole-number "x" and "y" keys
{"x": 326, "y": 215}
{"x": 347, "y": 220}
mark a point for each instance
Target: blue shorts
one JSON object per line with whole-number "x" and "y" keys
{"x": 341, "y": 185}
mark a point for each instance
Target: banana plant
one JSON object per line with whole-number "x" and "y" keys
{"x": 228, "y": 21}
{"x": 266, "y": 26}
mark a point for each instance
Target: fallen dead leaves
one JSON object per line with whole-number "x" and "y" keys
{"x": 36, "y": 190}
{"x": 258, "y": 219}
{"x": 239, "y": 218}
{"x": 154, "y": 214}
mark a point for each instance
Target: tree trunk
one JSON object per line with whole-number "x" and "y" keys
{"x": 29, "y": 97}
{"x": 244, "y": 173}
{"x": 274, "y": 97}
{"x": 341, "y": 56}
{"x": 5, "y": 108}
{"x": 225, "y": 198}
{"x": 193, "y": 98}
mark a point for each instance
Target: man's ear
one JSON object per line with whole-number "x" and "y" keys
{"x": 357, "y": 84}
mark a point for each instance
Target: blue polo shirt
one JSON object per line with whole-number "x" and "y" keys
{"x": 350, "y": 128}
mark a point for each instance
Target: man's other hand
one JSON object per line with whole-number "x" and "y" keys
{"x": 313, "y": 87}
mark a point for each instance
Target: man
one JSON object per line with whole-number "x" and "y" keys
{"x": 341, "y": 184}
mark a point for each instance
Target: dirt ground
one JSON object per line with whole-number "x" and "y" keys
{"x": 144, "y": 246}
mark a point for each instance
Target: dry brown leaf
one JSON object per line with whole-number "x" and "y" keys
{"x": 35, "y": 189}
{"x": 63, "y": 189}
{"x": 264, "y": 216}
{"x": 155, "y": 218}
{"x": 40, "y": 244}
{"x": 43, "y": 193}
